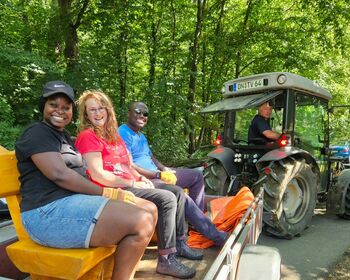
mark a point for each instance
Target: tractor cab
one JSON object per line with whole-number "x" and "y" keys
{"x": 284, "y": 166}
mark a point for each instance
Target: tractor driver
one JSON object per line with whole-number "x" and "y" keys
{"x": 260, "y": 131}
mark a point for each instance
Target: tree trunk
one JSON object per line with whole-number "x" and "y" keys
{"x": 244, "y": 31}
{"x": 122, "y": 66}
{"x": 217, "y": 58}
{"x": 70, "y": 27}
{"x": 153, "y": 52}
{"x": 193, "y": 52}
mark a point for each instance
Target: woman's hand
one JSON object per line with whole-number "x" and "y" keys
{"x": 119, "y": 194}
{"x": 144, "y": 184}
{"x": 144, "y": 179}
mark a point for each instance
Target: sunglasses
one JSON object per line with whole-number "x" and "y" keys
{"x": 139, "y": 112}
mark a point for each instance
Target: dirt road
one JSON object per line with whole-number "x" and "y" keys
{"x": 315, "y": 254}
{"x": 341, "y": 271}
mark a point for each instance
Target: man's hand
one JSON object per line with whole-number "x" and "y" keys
{"x": 119, "y": 194}
{"x": 168, "y": 169}
{"x": 168, "y": 177}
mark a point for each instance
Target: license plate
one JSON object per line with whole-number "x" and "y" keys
{"x": 248, "y": 85}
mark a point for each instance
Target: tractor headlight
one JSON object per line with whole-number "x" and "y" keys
{"x": 281, "y": 79}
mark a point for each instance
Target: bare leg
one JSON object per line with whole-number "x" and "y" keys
{"x": 129, "y": 226}
{"x": 147, "y": 205}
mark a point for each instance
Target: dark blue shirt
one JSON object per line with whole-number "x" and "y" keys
{"x": 255, "y": 134}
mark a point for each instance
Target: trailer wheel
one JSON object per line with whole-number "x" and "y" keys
{"x": 290, "y": 197}
{"x": 216, "y": 179}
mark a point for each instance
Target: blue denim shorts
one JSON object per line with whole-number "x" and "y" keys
{"x": 65, "y": 223}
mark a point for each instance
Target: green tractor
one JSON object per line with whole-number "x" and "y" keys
{"x": 295, "y": 170}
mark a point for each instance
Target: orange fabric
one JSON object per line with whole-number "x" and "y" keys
{"x": 226, "y": 219}
{"x": 215, "y": 205}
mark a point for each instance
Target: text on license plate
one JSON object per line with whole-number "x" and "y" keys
{"x": 248, "y": 85}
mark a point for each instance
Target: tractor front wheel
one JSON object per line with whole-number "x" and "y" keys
{"x": 216, "y": 179}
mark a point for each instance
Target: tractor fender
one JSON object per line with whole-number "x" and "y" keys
{"x": 225, "y": 156}
{"x": 336, "y": 193}
{"x": 266, "y": 261}
{"x": 285, "y": 152}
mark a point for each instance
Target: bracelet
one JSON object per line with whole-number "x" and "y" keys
{"x": 157, "y": 175}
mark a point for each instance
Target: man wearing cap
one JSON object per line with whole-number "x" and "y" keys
{"x": 260, "y": 131}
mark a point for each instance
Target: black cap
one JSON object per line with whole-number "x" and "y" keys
{"x": 54, "y": 87}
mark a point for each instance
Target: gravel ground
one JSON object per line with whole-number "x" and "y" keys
{"x": 341, "y": 271}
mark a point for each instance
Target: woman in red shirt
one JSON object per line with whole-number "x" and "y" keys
{"x": 60, "y": 207}
{"x": 110, "y": 165}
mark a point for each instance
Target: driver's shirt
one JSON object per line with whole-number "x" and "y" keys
{"x": 258, "y": 125}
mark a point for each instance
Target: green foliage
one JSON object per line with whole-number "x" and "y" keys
{"x": 9, "y": 132}
{"x": 21, "y": 83}
{"x": 164, "y": 135}
{"x": 141, "y": 50}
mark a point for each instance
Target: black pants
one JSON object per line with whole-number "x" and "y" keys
{"x": 170, "y": 202}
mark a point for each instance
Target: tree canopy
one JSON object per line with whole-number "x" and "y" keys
{"x": 173, "y": 55}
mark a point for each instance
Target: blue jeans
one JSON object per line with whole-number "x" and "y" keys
{"x": 64, "y": 223}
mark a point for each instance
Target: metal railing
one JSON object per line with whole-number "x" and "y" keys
{"x": 246, "y": 232}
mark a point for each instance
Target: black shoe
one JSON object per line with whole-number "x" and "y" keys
{"x": 184, "y": 251}
{"x": 171, "y": 266}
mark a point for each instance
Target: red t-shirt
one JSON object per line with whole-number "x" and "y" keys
{"x": 116, "y": 158}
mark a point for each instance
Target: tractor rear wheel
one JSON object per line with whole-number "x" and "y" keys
{"x": 290, "y": 197}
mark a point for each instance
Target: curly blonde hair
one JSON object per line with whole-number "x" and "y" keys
{"x": 110, "y": 130}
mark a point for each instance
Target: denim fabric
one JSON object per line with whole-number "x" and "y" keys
{"x": 65, "y": 223}
{"x": 171, "y": 215}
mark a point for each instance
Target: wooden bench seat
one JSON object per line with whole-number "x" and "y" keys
{"x": 30, "y": 257}
{"x": 43, "y": 262}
